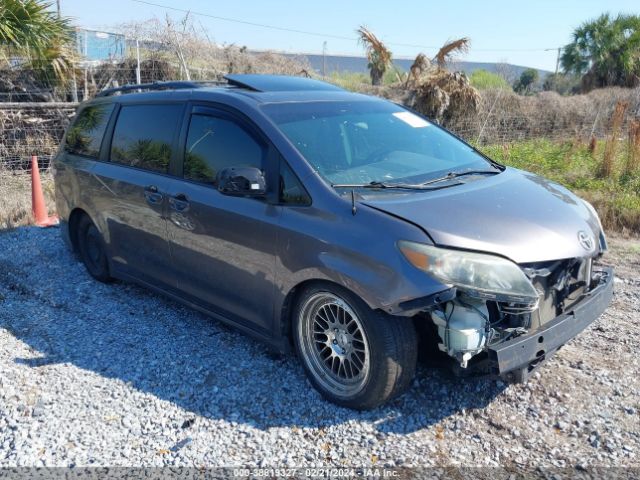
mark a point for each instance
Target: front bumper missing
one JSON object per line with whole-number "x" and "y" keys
{"x": 516, "y": 359}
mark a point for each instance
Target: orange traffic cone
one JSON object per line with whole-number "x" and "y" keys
{"x": 40, "y": 214}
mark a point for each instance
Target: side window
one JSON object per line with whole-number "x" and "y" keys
{"x": 84, "y": 137}
{"x": 291, "y": 190}
{"x": 215, "y": 143}
{"x": 143, "y": 135}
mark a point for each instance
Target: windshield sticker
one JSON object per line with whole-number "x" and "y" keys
{"x": 411, "y": 119}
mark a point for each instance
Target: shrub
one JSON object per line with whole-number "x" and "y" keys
{"x": 484, "y": 80}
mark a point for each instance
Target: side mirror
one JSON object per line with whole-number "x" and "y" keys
{"x": 242, "y": 181}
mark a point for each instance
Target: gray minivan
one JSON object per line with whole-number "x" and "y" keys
{"x": 345, "y": 226}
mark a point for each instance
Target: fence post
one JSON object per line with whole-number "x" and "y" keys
{"x": 138, "y": 62}
{"x": 74, "y": 86}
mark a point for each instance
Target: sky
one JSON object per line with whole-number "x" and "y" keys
{"x": 518, "y": 32}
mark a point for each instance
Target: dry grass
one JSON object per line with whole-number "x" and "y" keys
{"x": 632, "y": 164}
{"x": 15, "y": 198}
{"x": 606, "y": 167}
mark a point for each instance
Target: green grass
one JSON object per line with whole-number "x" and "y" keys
{"x": 351, "y": 81}
{"x": 354, "y": 81}
{"x": 571, "y": 163}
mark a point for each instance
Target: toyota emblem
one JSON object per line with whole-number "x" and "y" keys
{"x": 586, "y": 240}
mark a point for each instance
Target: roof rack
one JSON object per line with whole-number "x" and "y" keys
{"x": 157, "y": 86}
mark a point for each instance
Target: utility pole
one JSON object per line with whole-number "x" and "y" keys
{"x": 555, "y": 75}
{"x": 559, "y": 50}
{"x": 324, "y": 59}
{"x": 58, "y": 6}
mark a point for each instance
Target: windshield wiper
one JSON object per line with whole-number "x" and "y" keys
{"x": 451, "y": 175}
{"x": 417, "y": 186}
{"x": 375, "y": 184}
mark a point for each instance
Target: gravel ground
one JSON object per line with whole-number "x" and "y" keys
{"x": 113, "y": 375}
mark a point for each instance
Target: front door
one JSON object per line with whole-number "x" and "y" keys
{"x": 223, "y": 247}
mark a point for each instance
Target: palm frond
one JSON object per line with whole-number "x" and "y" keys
{"x": 450, "y": 49}
{"x": 374, "y": 45}
{"x": 31, "y": 30}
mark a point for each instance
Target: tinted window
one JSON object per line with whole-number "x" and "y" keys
{"x": 143, "y": 136}
{"x": 291, "y": 190}
{"x": 215, "y": 143}
{"x": 84, "y": 137}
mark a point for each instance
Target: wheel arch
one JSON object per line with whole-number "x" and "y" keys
{"x": 74, "y": 217}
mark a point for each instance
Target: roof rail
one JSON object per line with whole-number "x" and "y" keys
{"x": 255, "y": 82}
{"x": 157, "y": 86}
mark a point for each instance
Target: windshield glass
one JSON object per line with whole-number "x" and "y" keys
{"x": 372, "y": 141}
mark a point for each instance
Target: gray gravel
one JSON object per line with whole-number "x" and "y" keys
{"x": 94, "y": 374}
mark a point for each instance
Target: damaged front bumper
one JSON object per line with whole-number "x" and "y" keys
{"x": 516, "y": 359}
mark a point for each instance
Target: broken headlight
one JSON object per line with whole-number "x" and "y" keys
{"x": 478, "y": 274}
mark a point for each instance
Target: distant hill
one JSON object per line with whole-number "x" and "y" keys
{"x": 342, "y": 63}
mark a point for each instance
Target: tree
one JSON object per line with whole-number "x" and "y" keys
{"x": 563, "y": 83}
{"x": 605, "y": 52}
{"x": 29, "y": 29}
{"x": 527, "y": 81}
{"x": 378, "y": 55}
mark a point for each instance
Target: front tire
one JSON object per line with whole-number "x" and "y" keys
{"x": 354, "y": 356}
{"x": 92, "y": 250}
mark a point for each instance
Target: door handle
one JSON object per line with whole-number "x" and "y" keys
{"x": 179, "y": 203}
{"x": 152, "y": 195}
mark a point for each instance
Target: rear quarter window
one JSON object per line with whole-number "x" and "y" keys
{"x": 143, "y": 136}
{"x": 84, "y": 137}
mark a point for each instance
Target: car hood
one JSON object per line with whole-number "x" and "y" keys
{"x": 515, "y": 214}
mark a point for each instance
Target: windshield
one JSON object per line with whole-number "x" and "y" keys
{"x": 372, "y": 141}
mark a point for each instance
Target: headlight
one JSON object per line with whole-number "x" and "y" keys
{"x": 478, "y": 274}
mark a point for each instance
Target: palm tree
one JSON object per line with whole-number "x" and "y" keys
{"x": 605, "y": 51}
{"x": 29, "y": 29}
{"x": 378, "y": 54}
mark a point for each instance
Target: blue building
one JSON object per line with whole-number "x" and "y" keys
{"x": 99, "y": 46}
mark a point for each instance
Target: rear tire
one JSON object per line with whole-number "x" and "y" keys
{"x": 354, "y": 356}
{"x": 92, "y": 250}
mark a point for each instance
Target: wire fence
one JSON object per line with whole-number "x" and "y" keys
{"x": 31, "y": 129}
